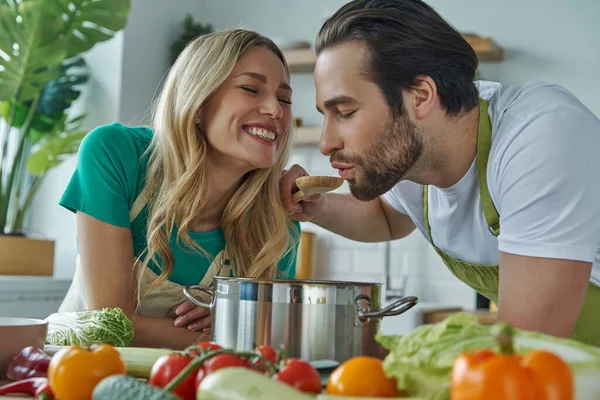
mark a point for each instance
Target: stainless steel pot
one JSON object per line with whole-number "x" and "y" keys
{"x": 313, "y": 320}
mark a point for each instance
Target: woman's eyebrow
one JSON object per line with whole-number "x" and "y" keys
{"x": 263, "y": 79}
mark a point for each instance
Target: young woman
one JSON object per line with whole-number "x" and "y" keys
{"x": 196, "y": 195}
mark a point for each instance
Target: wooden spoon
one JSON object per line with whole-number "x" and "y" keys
{"x": 310, "y": 185}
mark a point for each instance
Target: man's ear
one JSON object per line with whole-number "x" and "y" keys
{"x": 420, "y": 99}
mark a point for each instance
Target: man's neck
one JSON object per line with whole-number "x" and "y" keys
{"x": 452, "y": 150}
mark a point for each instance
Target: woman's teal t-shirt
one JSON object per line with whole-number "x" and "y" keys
{"x": 110, "y": 175}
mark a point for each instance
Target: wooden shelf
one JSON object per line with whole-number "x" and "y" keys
{"x": 303, "y": 60}
{"x": 307, "y": 136}
{"x": 485, "y": 48}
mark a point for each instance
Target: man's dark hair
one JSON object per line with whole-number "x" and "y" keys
{"x": 406, "y": 39}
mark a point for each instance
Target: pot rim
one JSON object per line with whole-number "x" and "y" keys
{"x": 296, "y": 281}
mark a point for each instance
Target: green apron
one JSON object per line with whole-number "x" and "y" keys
{"x": 483, "y": 278}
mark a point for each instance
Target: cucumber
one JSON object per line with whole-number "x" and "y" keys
{"x": 334, "y": 397}
{"x": 125, "y": 387}
{"x": 236, "y": 383}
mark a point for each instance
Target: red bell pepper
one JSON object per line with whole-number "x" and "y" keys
{"x": 31, "y": 362}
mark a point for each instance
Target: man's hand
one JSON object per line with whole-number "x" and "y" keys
{"x": 191, "y": 316}
{"x": 542, "y": 294}
{"x": 307, "y": 209}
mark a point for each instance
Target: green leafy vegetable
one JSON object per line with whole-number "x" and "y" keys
{"x": 109, "y": 326}
{"x": 422, "y": 360}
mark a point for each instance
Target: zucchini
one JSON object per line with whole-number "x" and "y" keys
{"x": 237, "y": 383}
{"x": 138, "y": 360}
{"x": 334, "y": 397}
{"x": 124, "y": 387}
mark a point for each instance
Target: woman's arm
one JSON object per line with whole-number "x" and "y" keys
{"x": 106, "y": 253}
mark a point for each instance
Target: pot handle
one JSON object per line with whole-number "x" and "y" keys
{"x": 207, "y": 290}
{"x": 396, "y": 308}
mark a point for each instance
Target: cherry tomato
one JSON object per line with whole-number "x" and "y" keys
{"x": 209, "y": 345}
{"x": 300, "y": 375}
{"x": 361, "y": 377}
{"x": 204, "y": 346}
{"x": 166, "y": 368}
{"x": 269, "y": 353}
{"x": 74, "y": 371}
{"x": 217, "y": 362}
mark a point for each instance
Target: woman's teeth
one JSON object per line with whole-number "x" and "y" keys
{"x": 263, "y": 133}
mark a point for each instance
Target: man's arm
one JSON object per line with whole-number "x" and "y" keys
{"x": 549, "y": 205}
{"x": 373, "y": 221}
{"x": 542, "y": 294}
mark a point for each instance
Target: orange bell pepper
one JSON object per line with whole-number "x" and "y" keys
{"x": 486, "y": 375}
{"x": 74, "y": 371}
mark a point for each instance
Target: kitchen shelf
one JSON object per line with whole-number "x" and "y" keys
{"x": 307, "y": 136}
{"x": 303, "y": 60}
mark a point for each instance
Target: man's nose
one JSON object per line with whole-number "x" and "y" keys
{"x": 330, "y": 141}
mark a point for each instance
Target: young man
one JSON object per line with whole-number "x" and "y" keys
{"x": 502, "y": 181}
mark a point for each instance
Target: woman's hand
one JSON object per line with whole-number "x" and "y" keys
{"x": 191, "y": 316}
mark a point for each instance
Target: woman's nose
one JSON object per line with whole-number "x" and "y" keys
{"x": 271, "y": 106}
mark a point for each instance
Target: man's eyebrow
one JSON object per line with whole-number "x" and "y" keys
{"x": 263, "y": 79}
{"x": 337, "y": 100}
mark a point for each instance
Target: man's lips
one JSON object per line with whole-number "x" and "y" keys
{"x": 337, "y": 165}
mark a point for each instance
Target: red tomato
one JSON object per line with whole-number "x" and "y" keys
{"x": 300, "y": 375}
{"x": 217, "y": 362}
{"x": 269, "y": 353}
{"x": 204, "y": 346}
{"x": 209, "y": 345}
{"x": 168, "y": 367}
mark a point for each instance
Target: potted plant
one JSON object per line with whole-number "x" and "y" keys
{"x": 41, "y": 73}
{"x": 190, "y": 31}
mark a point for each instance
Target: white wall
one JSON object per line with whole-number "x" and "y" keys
{"x": 153, "y": 25}
{"x": 550, "y": 40}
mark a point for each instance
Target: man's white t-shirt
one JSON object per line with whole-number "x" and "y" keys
{"x": 543, "y": 176}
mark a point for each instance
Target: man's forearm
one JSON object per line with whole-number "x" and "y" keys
{"x": 354, "y": 219}
{"x": 161, "y": 333}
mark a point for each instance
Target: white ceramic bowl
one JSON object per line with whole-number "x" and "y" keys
{"x": 18, "y": 333}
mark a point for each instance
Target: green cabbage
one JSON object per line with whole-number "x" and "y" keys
{"x": 108, "y": 326}
{"x": 422, "y": 360}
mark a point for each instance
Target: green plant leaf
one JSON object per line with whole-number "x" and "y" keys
{"x": 20, "y": 114}
{"x": 31, "y": 49}
{"x": 87, "y": 22}
{"x": 53, "y": 151}
{"x": 63, "y": 90}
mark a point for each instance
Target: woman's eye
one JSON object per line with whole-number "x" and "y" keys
{"x": 249, "y": 89}
{"x": 286, "y": 101}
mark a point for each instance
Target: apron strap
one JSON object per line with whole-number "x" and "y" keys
{"x": 139, "y": 204}
{"x": 426, "y": 211}
{"x": 484, "y": 144}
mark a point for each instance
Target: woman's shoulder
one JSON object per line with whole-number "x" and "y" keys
{"x": 117, "y": 138}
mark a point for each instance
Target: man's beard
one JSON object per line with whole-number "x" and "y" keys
{"x": 397, "y": 148}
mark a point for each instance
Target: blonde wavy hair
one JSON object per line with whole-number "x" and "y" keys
{"x": 255, "y": 224}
